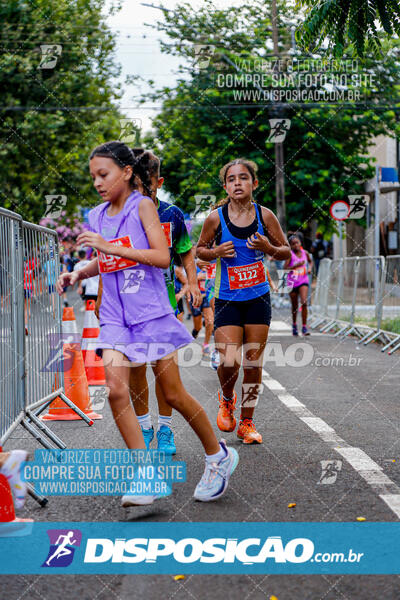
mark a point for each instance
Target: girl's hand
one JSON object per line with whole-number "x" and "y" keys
{"x": 225, "y": 250}
{"x": 65, "y": 280}
{"x": 94, "y": 240}
{"x": 194, "y": 296}
{"x": 258, "y": 242}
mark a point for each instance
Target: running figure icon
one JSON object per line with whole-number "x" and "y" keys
{"x": 62, "y": 549}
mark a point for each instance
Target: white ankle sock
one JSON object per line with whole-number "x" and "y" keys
{"x": 145, "y": 421}
{"x": 163, "y": 420}
{"x": 216, "y": 457}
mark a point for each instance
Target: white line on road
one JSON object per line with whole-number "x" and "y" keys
{"x": 367, "y": 468}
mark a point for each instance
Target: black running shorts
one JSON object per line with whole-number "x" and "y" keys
{"x": 247, "y": 312}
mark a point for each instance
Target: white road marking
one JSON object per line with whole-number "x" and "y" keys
{"x": 279, "y": 326}
{"x": 367, "y": 468}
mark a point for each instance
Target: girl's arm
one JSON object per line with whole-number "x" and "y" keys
{"x": 310, "y": 262}
{"x": 207, "y": 238}
{"x": 276, "y": 244}
{"x": 179, "y": 274}
{"x": 156, "y": 256}
{"x": 192, "y": 289}
{"x": 67, "y": 279}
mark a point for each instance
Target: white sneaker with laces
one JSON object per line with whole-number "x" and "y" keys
{"x": 216, "y": 475}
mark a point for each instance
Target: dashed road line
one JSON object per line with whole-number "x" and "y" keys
{"x": 363, "y": 464}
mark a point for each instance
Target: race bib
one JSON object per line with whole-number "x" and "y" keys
{"x": 300, "y": 272}
{"x": 167, "y": 227}
{"x": 246, "y": 275}
{"x": 211, "y": 271}
{"x": 202, "y": 285}
{"x": 108, "y": 263}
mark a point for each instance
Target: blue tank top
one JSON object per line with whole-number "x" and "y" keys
{"x": 242, "y": 277}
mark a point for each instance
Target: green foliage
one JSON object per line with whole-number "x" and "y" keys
{"x": 201, "y": 125}
{"x": 345, "y": 22}
{"x": 45, "y": 140}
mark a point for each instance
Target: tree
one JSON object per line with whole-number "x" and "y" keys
{"x": 345, "y": 22}
{"x": 57, "y": 102}
{"x": 202, "y": 125}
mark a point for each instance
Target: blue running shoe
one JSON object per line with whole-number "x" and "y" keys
{"x": 215, "y": 478}
{"x": 148, "y": 435}
{"x": 165, "y": 439}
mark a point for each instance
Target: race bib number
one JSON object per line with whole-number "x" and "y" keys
{"x": 211, "y": 271}
{"x": 108, "y": 263}
{"x": 167, "y": 227}
{"x": 299, "y": 272}
{"x": 246, "y": 275}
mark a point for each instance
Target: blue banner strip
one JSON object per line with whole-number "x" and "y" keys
{"x": 212, "y": 548}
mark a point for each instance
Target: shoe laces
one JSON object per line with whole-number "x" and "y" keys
{"x": 164, "y": 435}
{"x": 228, "y": 405}
{"x": 248, "y": 424}
{"x": 210, "y": 473}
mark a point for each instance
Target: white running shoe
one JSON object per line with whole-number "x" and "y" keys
{"x": 215, "y": 360}
{"x": 215, "y": 478}
{"x": 132, "y": 500}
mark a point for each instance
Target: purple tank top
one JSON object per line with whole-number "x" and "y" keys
{"x": 135, "y": 294}
{"x": 298, "y": 276}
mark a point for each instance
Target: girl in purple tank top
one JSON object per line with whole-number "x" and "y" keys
{"x": 136, "y": 318}
{"x": 299, "y": 264}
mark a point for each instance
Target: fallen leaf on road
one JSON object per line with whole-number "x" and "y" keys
{"x": 179, "y": 577}
{"x": 291, "y": 505}
{"x": 361, "y": 519}
{"x": 273, "y": 598}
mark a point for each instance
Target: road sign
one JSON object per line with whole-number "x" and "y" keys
{"x": 339, "y": 210}
{"x": 358, "y": 206}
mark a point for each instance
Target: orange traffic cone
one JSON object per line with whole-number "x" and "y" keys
{"x": 93, "y": 364}
{"x": 75, "y": 381}
{"x": 10, "y": 525}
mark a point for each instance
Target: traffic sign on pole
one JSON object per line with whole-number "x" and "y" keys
{"x": 339, "y": 210}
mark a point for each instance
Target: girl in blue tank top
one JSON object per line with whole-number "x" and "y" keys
{"x": 243, "y": 276}
{"x": 243, "y": 233}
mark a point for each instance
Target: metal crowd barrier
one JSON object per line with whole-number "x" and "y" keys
{"x": 31, "y": 326}
{"x": 352, "y": 291}
{"x": 12, "y": 401}
{"x": 391, "y": 298}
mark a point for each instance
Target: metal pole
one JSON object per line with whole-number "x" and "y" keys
{"x": 377, "y": 230}
{"x": 340, "y": 239}
{"x": 279, "y": 159}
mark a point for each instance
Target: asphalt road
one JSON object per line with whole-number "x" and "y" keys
{"x": 341, "y": 407}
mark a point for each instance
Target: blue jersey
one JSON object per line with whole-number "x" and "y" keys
{"x": 244, "y": 276}
{"x": 178, "y": 240}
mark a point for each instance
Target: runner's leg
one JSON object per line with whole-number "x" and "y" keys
{"x": 303, "y": 291}
{"x": 229, "y": 339}
{"x": 117, "y": 368}
{"x": 255, "y": 340}
{"x": 176, "y": 396}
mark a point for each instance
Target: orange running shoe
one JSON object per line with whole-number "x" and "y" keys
{"x": 225, "y": 419}
{"x": 248, "y": 433}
